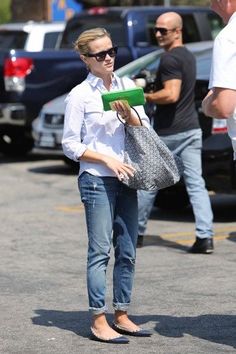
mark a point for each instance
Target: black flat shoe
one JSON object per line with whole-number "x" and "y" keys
{"x": 116, "y": 340}
{"x": 139, "y": 333}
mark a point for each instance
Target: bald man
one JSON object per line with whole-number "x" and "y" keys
{"x": 221, "y": 99}
{"x": 176, "y": 122}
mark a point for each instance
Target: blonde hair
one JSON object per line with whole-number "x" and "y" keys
{"x": 81, "y": 44}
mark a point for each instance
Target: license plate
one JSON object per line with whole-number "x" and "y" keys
{"x": 47, "y": 140}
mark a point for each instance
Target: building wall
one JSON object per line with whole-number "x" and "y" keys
{"x": 25, "y": 10}
{"x": 38, "y": 10}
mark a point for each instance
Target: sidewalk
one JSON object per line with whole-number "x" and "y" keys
{"x": 187, "y": 300}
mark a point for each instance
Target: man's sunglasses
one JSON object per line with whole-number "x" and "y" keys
{"x": 163, "y": 31}
{"x": 102, "y": 55}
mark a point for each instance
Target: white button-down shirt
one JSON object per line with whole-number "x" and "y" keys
{"x": 223, "y": 71}
{"x": 88, "y": 126}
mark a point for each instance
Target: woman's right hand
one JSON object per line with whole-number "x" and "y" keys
{"x": 122, "y": 170}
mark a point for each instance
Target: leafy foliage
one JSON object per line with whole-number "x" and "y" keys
{"x": 5, "y": 13}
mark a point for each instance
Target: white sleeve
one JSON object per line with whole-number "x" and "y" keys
{"x": 72, "y": 146}
{"x": 223, "y": 71}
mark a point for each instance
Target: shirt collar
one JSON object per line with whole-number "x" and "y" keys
{"x": 97, "y": 81}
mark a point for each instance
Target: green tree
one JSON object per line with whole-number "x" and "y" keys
{"x": 5, "y": 13}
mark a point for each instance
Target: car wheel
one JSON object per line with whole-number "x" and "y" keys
{"x": 74, "y": 165}
{"x": 171, "y": 198}
{"x": 15, "y": 145}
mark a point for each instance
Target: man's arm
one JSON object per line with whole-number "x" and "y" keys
{"x": 219, "y": 103}
{"x": 169, "y": 94}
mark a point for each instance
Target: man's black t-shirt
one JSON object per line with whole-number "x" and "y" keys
{"x": 178, "y": 63}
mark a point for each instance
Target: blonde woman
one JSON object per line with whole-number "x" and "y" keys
{"x": 96, "y": 139}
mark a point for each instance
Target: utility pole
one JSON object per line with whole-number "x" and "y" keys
{"x": 166, "y": 3}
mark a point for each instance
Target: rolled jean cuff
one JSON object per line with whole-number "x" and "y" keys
{"x": 97, "y": 311}
{"x": 203, "y": 234}
{"x": 121, "y": 307}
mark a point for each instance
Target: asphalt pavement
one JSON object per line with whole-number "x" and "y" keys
{"x": 188, "y": 301}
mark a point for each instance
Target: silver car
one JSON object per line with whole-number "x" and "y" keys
{"x": 47, "y": 128}
{"x": 217, "y": 148}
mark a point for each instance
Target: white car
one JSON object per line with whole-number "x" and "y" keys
{"x": 217, "y": 147}
{"x": 48, "y": 127}
{"x": 31, "y": 36}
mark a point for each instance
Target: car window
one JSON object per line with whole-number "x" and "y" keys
{"x": 216, "y": 24}
{"x": 50, "y": 40}
{"x": 190, "y": 30}
{"x": 112, "y": 24}
{"x": 13, "y": 39}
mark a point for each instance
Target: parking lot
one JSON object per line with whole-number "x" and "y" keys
{"x": 187, "y": 300}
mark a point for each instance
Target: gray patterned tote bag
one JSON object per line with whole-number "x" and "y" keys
{"x": 156, "y": 166}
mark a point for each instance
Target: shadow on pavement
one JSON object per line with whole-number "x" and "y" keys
{"x": 28, "y": 158}
{"x": 232, "y": 236}
{"x": 215, "y": 328}
{"x": 153, "y": 240}
{"x": 74, "y": 321}
{"x": 55, "y": 169}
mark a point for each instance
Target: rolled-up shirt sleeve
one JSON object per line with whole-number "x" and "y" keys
{"x": 72, "y": 145}
{"x": 88, "y": 127}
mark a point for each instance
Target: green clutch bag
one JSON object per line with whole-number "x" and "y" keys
{"x": 134, "y": 97}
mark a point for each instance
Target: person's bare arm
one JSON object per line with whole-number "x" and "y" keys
{"x": 169, "y": 94}
{"x": 219, "y": 103}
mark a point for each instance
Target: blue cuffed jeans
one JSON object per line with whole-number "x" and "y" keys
{"x": 112, "y": 217}
{"x": 187, "y": 146}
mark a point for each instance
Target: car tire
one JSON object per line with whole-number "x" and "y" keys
{"x": 172, "y": 198}
{"x": 15, "y": 145}
{"x": 72, "y": 164}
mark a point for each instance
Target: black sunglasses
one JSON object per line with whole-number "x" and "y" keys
{"x": 102, "y": 55}
{"x": 163, "y": 31}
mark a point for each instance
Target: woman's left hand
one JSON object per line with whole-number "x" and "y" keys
{"x": 122, "y": 108}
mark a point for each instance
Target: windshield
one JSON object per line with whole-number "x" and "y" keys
{"x": 150, "y": 62}
{"x": 76, "y": 26}
{"x": 12, "y": 39}
{"x": 216, "y": 24}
